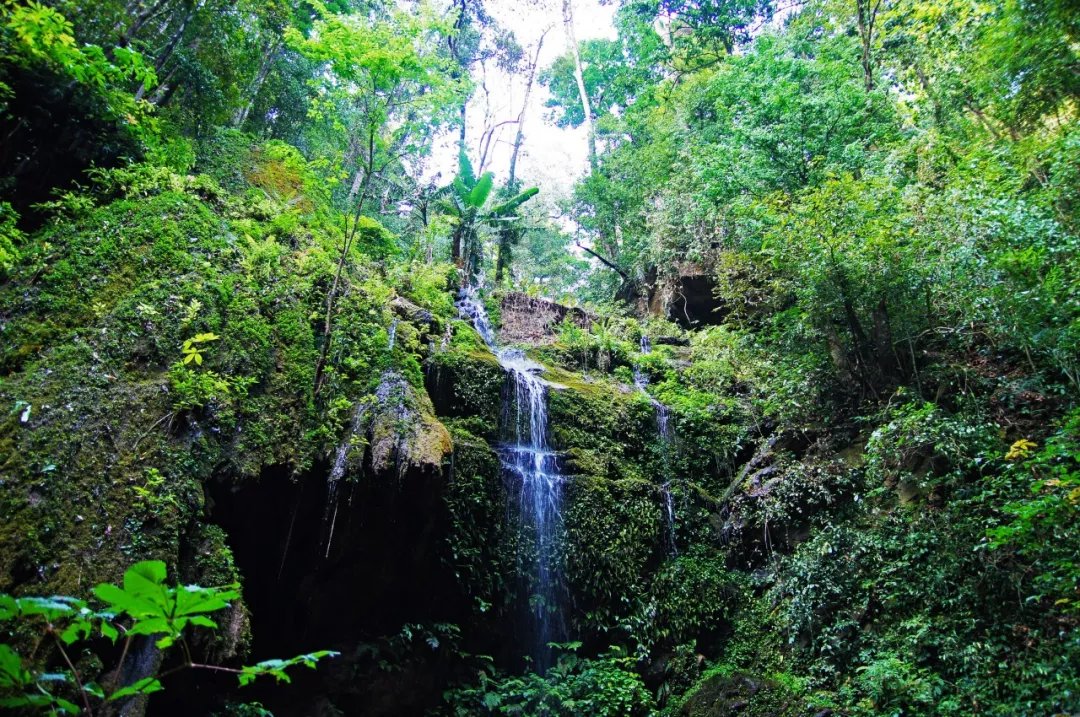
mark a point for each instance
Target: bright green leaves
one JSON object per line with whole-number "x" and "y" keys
{"x": 386, "y": 85}
{"x": 468, "y": 197}
{"x": 507, "y": 208}
{"x": 479, "y": 195}
{"x": 193, "y": 347}
{"x": 143, "y": 605}
{"x": 12, "y": 673}
{"x": 1045, "y": 525}
{"x": 159, "y": 610}
{"x": 145, "y": 686}
{"x": 195, "y": 388}
{"x": 45, "y": 36}
{"x": 606, "y": 686}
{"x": 466, "y": 177}
{"x": 276, "y": 668}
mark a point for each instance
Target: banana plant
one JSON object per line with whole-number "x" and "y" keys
{"x": 468, "y": 198}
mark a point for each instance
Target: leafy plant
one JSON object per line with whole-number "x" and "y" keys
{"x": 606, "y": 686}
{"x": 193, "y": 347}
{"x": 143, "y": 605}
{"x": 468, "y": 198}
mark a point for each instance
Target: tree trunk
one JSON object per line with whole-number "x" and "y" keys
{"x": 273, "y": 48}
{"x": 520, "y": 135}
{"x": 128, "y": 33}
{"x": 883, "y": 342}
{"x": 586, "y": 107}
{"x": 606, "y": 262}
{"x": 174, "y": 41}
{"x": 162, "y": 94}
{"x": 866, "y": 14}
{"x": 348, "y": 237}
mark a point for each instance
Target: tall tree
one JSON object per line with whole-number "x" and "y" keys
{"x": 583, "y": 94}
{"x": 519, "y": 134}
{"x": 391, "y": 90}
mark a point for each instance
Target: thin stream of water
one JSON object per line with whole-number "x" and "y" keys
{"x": 528, "y": 460}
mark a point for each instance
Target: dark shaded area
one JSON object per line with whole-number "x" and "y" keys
{"x": 694, "y": 302}
{"x": 53, "y": 130}
{"x": 382, "y": 569}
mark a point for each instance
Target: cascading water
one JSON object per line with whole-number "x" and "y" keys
{"x": 391, "y": 335}
{"x": 669, "y": 518}
{"x": 337, "y": 472}
{"x": 641, "y": 381}
{"x": 528, "y": 461}
{"x": 663, "y": 429}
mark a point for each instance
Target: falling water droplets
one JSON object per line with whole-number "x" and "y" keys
{"x": 528, "y": 460}
{"x": 391, "y": 334}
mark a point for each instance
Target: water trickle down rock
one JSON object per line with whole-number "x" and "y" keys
{"x": 667, "y": 445}
{"x": 337, "y": 471}
{"x": 401, "y": 434}
{"x": 669, "y": 519}
{"x": 529, "y": 462}
{"x": 392, "y": 334}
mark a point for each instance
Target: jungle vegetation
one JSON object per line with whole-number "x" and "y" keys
{"x": 835, "y": 244}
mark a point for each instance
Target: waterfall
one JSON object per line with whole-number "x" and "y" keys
{"x": 531, "y": 466}
{"x": 663, "y": 429}
{"x": 669, "y": 519}
{"x": 337, "y": 472}
{"x": 392, "y": 333}
{"x": 641, "y": 382}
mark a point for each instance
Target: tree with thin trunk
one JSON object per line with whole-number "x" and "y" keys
{"x": 519, "y": 136}
{"x": 390, "y": 90}
{"x": 579, "y": 76}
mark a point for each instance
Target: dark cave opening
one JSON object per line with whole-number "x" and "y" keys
{"x": 383, "y": 568}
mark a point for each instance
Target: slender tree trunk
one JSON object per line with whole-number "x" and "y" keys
{"x": 140, "y": 19}
{"x": 606, "y": 262}
{"x": 273, "y": 48}
{"x": 166, "y": 54}
{"x": 348, "y": 237}
{"x": 520, "y": 135}
{"x": 455, "y": 249}
{"x": 883, "y": 342}
{"x": 866, "y": 14}
{"x": 586, "y": 107}
{"x": 174, "y": 41}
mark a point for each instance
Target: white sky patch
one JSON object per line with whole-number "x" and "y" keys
{"x": 551, "y": 158}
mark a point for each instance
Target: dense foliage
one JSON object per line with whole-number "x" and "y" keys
{"x": 813, "y": 383}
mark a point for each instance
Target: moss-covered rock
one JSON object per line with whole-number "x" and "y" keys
{"x": 466, "y": 380}
{"x": 727, "y": 693}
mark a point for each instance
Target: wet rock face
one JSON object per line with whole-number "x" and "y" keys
{"x": 424, "y": 320}
{"x": 404, "y": 433}
{"x": 535, "y": 321}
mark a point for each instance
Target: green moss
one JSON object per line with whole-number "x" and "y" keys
{"x": 479, "y": 547}
{"x": 724, "y": 690}
{"x": 469, "y": 383}
{"x": 613, "y": 531}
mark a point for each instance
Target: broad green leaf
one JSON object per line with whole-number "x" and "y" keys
{"x": 510, "y": 205}
{"x": 145, "y": 686}
{"x": 12, "y": 674}
{"x": 479, "y": 194}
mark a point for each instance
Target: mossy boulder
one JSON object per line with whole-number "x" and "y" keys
{"x": 729, "y": 693}
{"x": 466, "y": 380}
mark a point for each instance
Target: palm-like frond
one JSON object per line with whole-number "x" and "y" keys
{"x": 479, "y": 195}
{"x": 465, "y": 170}
{"x": 513, "y": 203}
{"x": 462, "y": 190}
